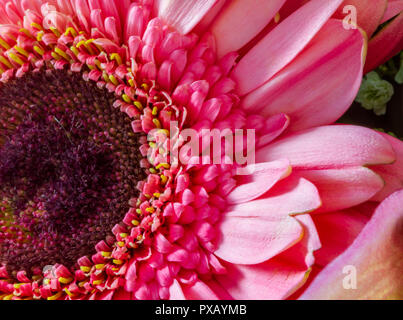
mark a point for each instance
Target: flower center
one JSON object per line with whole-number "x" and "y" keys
{"x": 69, "y": 165}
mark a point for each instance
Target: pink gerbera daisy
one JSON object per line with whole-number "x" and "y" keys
{"x": 94, "y": 202}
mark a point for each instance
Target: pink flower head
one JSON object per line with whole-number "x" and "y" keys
{"x": 103, "y": 198}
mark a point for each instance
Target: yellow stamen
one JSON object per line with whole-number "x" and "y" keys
{"x": 99, "y": 266}
{"x": 15, "y": 58}
{"x": 106, "y": 254}
{"x": 56, "y": 296}
{"x": 150, "y": 210}
{"x": 4, "y": 44}
{"x": 113, "y": 80}
{"x": 138, "y": 105}
{"x": 65, "y": 280}
{"x": 21, "y": 50}
{"x": 163, "y": 165}
{"x": 55, "y": 31}
{"x": 157, "y": 123}
{"x": 116, "y": 56}
{"x": 36, "y": 26}
{"x": 71, "y": 31}
{"x": 126, "y": 98}
{"x": 39, "y": 36}
{"x": 85, "y": 269}
{"x": 135, "y": 223}
{"x": 39, "y": 50}
{"x": 118, "y": 262}
{"x": 62, "y": 53}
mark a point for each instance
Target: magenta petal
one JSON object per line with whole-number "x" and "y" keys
{"x": 330, "y": 147}
{"x": 263, "y": 176}
{"x": 241, "y": 21}
{"x": 282, "y": 44}
{"x": 199, "y": 291}
{"x": 183, "y": 15}
{"x": 256, "y": 231}
{"x": 290, "y": 91}
{"x": 338, "y": 230}
{"x": 369, "y": 13}
{"x": 385, "y": 44}
{"x": 375, "y": 258}
{"x": 344, "y": 188}
{"x": 392, "y": 174}
{"x": 277, "y": 278}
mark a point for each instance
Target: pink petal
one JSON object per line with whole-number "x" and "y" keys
{"x": 263, "y": 176}
{"x": 290, "y": 90}
{"x": 277, "y": 278}
{"x": 282, "y": 45}
{"x": 385, "y": 44}
{"x": 376, "y": 255}
{"x": 240, "y": 21}
{"x": 392, "y": 174}
{"x": 393, "y": 9}
{"x": 369, "y": 13}
{"x": 344, "y": 188}
{"x": 199, "y": 291}
{"x": 183, "y": 15}
{"x": 338, "y": 230}
{"x": 254, "y": 232}
{"x": 330, "y": 147}
{"x": 175, "y": 291}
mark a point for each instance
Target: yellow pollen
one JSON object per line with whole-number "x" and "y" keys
{"x": 157, "y": 195}
{"x": 135, "y": 223}
{"x": 4, "y": 44}
{"x": 36, "y": 26}
{"x": 71, "y": 31}
{"x": 138, "y": 105}
{"x": 26, "y": 32}
{"x": 55, "y": 31}
{"x": 16, "y": 58}
{"x": 99, "y": 266}
{"x": 164, "y": 179}
{"x": 150, "y": 210}
{"x": 157, "y": 123}
{"x": 74, "y": 50}
{"x": 97, "y": 282}
{"x": 21, "y": 50}
{"x": 121, "y": 244}
{"x": 113, "y": 80}
{"x": 123, "y": 235}
{"x": 106, "y": 254}
{"x": 55, "y": 56}
{"x": 62, "y": 53}
{"x": 155, "y": 111}
{"x": 68, "y": 292}
{"x": 39, "y": 36}
{"x": 56, "y": 296}
{"x": 163, "y": 165}
{"x": 118, "y": 262}
{"x": 39, "y": 50}
{"x": 85, "y": 269}
{"x": 65, "y": 280}
{"x": 138, "y": 211}
{"x": 126, "y": 98}
{"x": 116, "y": 56}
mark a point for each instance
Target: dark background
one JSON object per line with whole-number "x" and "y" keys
{"x": 391, "y": 121}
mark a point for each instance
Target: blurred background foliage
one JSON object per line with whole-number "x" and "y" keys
{"x": 379, "y": 103}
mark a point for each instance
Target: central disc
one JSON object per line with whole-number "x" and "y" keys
{"x": 69, "y": 164}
